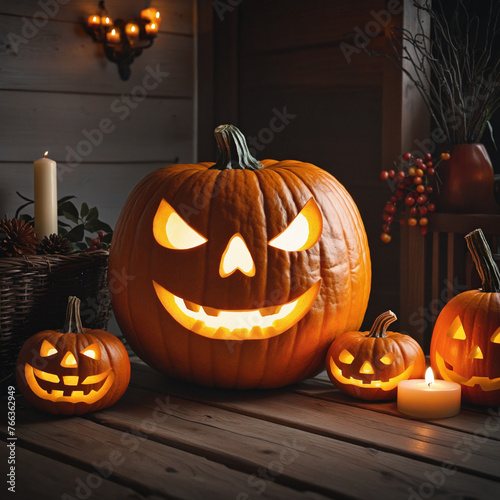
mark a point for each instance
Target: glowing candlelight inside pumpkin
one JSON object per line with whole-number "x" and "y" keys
{"x": 45, "y": 174}
{"x": 429, "y": 398}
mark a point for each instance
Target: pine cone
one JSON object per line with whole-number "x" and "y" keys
{"x": 17, "y": 238}
{"x": 55, "y": 244}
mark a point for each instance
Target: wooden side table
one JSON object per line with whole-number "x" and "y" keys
{"x": 436, "y": 269}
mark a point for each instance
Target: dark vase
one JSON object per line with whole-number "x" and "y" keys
{"x": 467, "y": 181}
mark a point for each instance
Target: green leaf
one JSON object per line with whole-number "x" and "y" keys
{"x": 107, "y": 238}
{"x": 490, "y": 128}
{"x": 80, "y": 246}
{"x": 63, "y": 199}
{"x": 68, "y": 210}
{"x": 76, "y": 234}
{"x": 61, "y": 230}
{"x": 93, "y": 214}
{"x": 88, "y": 240}
{"x": 91, "y": 226}
{"x": 102, "y": 226}
{"x": 63, "y": 224}
{"x": 70, "y": 217}
{"x": 85, "y": 209}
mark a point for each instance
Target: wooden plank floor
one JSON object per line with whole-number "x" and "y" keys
{"x": 166, "y": 439}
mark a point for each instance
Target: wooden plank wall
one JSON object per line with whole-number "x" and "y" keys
{"x": 288, "y": 56}
{"x": 57, "y": 87}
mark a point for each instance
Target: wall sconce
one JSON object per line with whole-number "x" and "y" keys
{"x": 123, "y": 41}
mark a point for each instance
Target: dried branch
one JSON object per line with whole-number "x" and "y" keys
{"x": 456, "y": 69}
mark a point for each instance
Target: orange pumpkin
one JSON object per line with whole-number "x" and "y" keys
{"x": 240, "y": 273}
{"x": 465, "y": 346}
{"x": 73, "y": 371}
{"x": 370, "y": 365}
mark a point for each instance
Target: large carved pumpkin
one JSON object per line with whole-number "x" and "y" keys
{"x": 240, "y": 273}
{"x": 74, "y": 370}
{"x": 465, "y": 346}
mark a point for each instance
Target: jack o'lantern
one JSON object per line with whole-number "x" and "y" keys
{"x": 73, "y": 371}
{"x": 240, "y": 273}
{"x": 370, "y": 365}
{"x": 465, "y": 346}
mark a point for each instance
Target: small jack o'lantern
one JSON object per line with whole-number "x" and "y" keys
{"x": 371, "y": 366}
{"x": 241, "y": 273}
{"x": 73, "y": 371}
{"x": 465, "y": 346}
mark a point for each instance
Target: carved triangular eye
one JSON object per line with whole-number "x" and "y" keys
{"x": 303, "y": 232}
{"x": 388, "y": 358}
{"x": 92, "y": 351}
{"x": 346, "y": 357}
{"x": 456, "y": 330}
{"x": 171, "y": 231}
{"x": 47, "y": 349}
{"x": 495, "y": 338}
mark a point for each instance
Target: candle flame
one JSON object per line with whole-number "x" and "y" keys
{"x": 45, "y": 154}
{"x": 429, "y": 376}
{"x": 113, "y": 31}
{"x": 153, "y": 26}
{"x": 157, "y": 15}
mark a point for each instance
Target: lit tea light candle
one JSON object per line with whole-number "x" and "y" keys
{"x": 94, "y": 20}
{"x": 132, "y": 31}
{"x": 113, "y": 36}
{"x": 151, "y": 14}
{"x": 429, "y": 398}
{"x": 152, "y": 28}
{"x": 45, "y": 172}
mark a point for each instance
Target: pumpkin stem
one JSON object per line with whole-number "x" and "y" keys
{"x": 485, "y": 265}
{"x": 381, "y": 323}
{"x": 233, "y": 149}
{"x": 73, "y": 322}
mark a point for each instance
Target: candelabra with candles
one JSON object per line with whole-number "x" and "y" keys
{"x": 123, "y": 41}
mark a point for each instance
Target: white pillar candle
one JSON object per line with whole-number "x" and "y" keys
{"x": 45, "y": 171}
{"x": 429, "y": 398}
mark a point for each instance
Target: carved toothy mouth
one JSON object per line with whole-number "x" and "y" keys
{"x": 249, "y": 324}
{"x": 86, "y": 395}
{"x": 385, "y": 385}
{"x": 486, "y": 383}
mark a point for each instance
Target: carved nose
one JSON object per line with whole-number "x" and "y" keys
{"x": 476, "y": 353}
{"x": 236, "y": 256}
{"x": 366, "y": 368}
{"x": 68, "y": 361}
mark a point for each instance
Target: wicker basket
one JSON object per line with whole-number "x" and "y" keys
{"x": 34, "y": 293}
